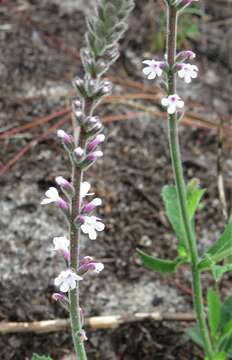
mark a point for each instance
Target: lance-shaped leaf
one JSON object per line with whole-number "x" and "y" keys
{"x": 162, "y": 266}
{"x": 214, "y": 311}
{"x": 194, "y": 195}
{"x": 223, "y": 243}
{"x": 220, "y": 250}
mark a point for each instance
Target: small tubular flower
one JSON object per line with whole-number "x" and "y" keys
{"x": 52, "y": 196}
{"x": 58, "y": 297}
{"x": 172, "y": 102}
{"x": 67, "y": 280}
{"x": 94, "y": 155}
{"x": 92, "y": 145}
{"x": 90, "y": 226}
{"x": 92, "y": 205}
{"x": 62, "y": 244}
{"x": 187, "y": 72}
{"x": 85, "y": 187}
{"x": 66, "y": 138}
{"x": 153, "y": 68}
{"x": 63, "y": 183}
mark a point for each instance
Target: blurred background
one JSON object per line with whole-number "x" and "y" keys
{"x": 39, "y": 56}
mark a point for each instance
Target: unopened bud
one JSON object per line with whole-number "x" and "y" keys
{"x": 92, "y": 145}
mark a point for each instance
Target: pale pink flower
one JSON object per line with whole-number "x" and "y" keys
{"x": 153, "y": 68}
{"x": 61, "y": 243}
{"x": 187, "y": 72}
{"x": 90, "y": 226}
{"x": 67, "y": 280}
{"x": 62, "y": 182}
{"x": 52, "y": 196}
{"x": 172, "y": 102}
{"x": 85, "y": 187}
{"x": 92, "y": 145}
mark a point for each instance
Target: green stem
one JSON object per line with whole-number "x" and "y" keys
{"x": 180, "y": 184}
{"x": 75, "y": 316}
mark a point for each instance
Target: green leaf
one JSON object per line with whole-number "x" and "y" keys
{"x": 173, "y": 213}
{"x": 218, "y": 271}
{"x": 153, "y": 263}
{"x": 223, "y": 243}
{"x": 194, "y": 195}
{"x": 38, "y": 357}
{"x": 218, "y": 356}
{"x": 214, "y": 311}
{"x": 195, "y": 336}
{"x": 226, "y": 312}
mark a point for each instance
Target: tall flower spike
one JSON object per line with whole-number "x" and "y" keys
{"x": 172, "y": 102}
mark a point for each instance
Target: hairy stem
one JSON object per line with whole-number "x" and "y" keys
{"x": 180, "y": 184}
{"x": 75, "y": 317}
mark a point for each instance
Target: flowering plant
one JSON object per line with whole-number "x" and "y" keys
{"x": 105, "y": 26}
{"x": 181, "y": 201}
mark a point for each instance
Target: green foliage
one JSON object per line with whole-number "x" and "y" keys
{"x": 38, "y": 357}
{"x": 214, "y": 312}
{"x": 162, "y": 266}
{"x": 188, "y": 29}
{"x": 220, "y": 250}
{"x": 220, "y": 322}
{"x": 194, "y": 196}
{"x": 106, "y": 26}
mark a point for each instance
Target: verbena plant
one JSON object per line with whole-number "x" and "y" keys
{"x": 214, "y": 332}
{"x": 105, "y": 25}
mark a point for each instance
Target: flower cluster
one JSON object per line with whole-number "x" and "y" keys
{"x": 86, "y": 221}
{"x": 185, "y": 71}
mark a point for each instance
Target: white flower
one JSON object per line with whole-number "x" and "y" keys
{"x": 153, "y": 68}
{"x": 188, "y": 72}
{"x": 52, "y": 195}
{"x": 98, "y": 267}
{"x": 61, "y": 243}
{"x": 172, "y": 102}
{"x": 85, "y": 187}
{"x": 67, "y": 280}
{"x": 91, "y": 225}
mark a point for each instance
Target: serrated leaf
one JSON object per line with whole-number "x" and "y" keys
{"x": 153, "y": 263}
{"x": 38, "y": 357}
{"x": 214, "y": 311}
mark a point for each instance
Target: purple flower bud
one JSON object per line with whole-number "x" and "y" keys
{"x": 86, "y": 260}
{"x": 185, "y": 55}
{"x": 63, "y": 205}
{"x": 92, "y": 205}
{"x": 58, "y": 296}
{"x": 67, "y": 139}
{"x": 94, "y": 155}
{"x": 63, "y": 183}
{"x": 92, "y": 145}
{"x": 82, "y": 335}
{"x": 96, "y": 267}
{"x": 66, "y": 255}
{"x": 82, "y": 219}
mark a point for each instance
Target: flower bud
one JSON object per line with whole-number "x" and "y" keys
{"x": 92, "y": 145}
{"x": 92, "y": 205}
{"x": 82, "y": 335}
{"x": 67, "y": 139}
{"x": 58, "y": 296}
{"x": 80, "y": 87}
{"x": 63, "y": 183}
{"x": 94, "y": 155}
{"x": 185, "y": 55}
{"x": 63, "y": 205}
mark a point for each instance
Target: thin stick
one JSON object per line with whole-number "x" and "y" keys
{"x": 93, "y": 323}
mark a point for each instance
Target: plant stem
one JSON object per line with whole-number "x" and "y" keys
{"x": 180, "y": 183}
{"x": 75, "y": 317}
